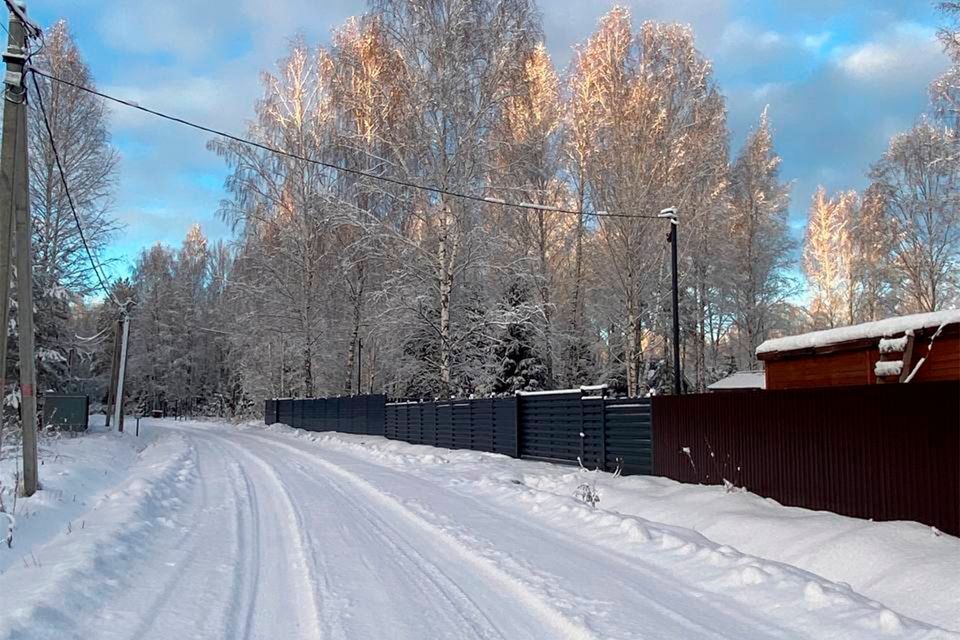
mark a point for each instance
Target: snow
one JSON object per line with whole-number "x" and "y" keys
{"x": 893, "y": 345}
{"x": 554, "y": 392}
{"x": 209, "y": 530}
{"x": 741, "y": 380}
{"x": 888, "y": 368}
{"x": 877, "y": 329}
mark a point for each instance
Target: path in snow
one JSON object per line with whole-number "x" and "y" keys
{"x": 249, "y": 534}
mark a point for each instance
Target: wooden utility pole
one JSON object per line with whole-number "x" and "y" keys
{"x": 122, "y": 370}
{"x": 15, "y": 214}
{"x": 114, "y": 370}
{"x": 28, "y": 373}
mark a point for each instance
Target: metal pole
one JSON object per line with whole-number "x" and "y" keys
{"x": 677, "y": 373}
{"x": 118, "y": 408}
{"x": 671, "y": 215}
{"x": 359, "y": 362}
{"x": 12, "y": 164}
{"x": 28, "y": 374}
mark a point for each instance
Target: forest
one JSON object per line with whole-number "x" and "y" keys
{"x": 343, "y": 275}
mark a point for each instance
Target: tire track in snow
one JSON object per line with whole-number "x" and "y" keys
{"x": 379, "y": 533}
{"x": 549, "y": 616}
{"x": 247, "y": 572}
{"x": 171, "y": 582}
{"x": 685, "y": 626}
{"x": 191, "y": 547}
{"x": 293, "y": 525}
{"x": 443, "y": 586}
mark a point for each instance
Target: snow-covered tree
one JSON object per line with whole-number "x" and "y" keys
{"x": 916, "y": 182}
{"x": 63, "y": 275}
{"x": 519, "y": 365}
{"x": 828, "y": 259}
{"x": 759, "y": 239}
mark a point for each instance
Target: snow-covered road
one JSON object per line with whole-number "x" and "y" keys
{"x": 225, "y": 532}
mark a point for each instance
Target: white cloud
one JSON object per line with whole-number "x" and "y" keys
{"x": 742, "y": 34}
{"x": 815, "y": 41}
{"x": 903, "y": 50}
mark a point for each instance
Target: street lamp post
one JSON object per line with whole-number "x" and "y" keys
{"x": 671, "y": 215}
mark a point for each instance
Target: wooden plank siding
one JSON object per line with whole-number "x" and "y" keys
{"x": 848, "y": 364}
{"x": 943, "y": 362}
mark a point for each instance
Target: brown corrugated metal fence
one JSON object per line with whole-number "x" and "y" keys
{"x": 887, "y": 452}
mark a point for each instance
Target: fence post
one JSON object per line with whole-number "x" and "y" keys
{"x": 603, "y": 429}
{"x": 518, "y": 398}
{"x": 583, "y": 434}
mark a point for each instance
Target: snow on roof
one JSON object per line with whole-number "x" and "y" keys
{"x": 877, "y": 329}
{"x": 741, "y": 380}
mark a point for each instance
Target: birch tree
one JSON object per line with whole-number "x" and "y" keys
{"x": 283, "y": 207}
{"x": 828, "y": 259}
{"x": 917, "y": 182}
{"x": 62, "y": 270}
{"x": 759, "y": 240}
{"x": 655, "y": 97}
{"x": 528, "y": 170}
{"x": 945, "y": 90}
{"x": 463, "y": 59}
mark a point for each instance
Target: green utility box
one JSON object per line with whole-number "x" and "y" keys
{"x": 69, "y": 413}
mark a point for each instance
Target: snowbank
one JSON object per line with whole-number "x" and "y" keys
{"x": 907, "y": 566}
{"x": 94, "y": 488}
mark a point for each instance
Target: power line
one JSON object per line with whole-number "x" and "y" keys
{"x": 30, "y": 27}
{"x": 66, "y": 189}
{"x": 336, "y": 167}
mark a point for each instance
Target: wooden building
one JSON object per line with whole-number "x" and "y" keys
{"x": 906, "y": 349}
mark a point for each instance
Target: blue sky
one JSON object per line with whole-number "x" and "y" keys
{"x": 840, "y": 77}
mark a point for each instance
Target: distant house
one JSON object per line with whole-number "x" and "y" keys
{"x": 915, "y": 348}
{"x": 740, "y": 381}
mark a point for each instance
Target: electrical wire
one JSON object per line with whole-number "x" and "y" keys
{"x": 336, "y": 167}
{"x": 29, "y": 26}
{"x": 66, "y": 189}
{"x": 93, "y": 337}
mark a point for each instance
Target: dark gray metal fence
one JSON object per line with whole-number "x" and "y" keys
{"x": 565, "y": 427}
{"x": 357, "y": 414}
{"x": 478, "y": 425}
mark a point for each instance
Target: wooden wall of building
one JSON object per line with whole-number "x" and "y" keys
{"x": 943, "y": 362}
{"x": 848, "y": 367}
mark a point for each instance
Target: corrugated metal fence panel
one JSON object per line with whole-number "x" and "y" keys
{"x": 391, "y": 413}
{"x": 270, "y": 412}
{"x": 285, "y": 411}
{"x": 887, "y": 452}
{"x": 376, "y": 415}
{"x": 629, "y": 441}
{"x": 505, "y": 426}
{"x": 550, "y": 427}
{"x": 597, "y": 432}
{"x": 428, "y": 423}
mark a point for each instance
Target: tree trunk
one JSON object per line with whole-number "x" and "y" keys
{"x": 445, "y": 285}
{"x": 630, "y": 351}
